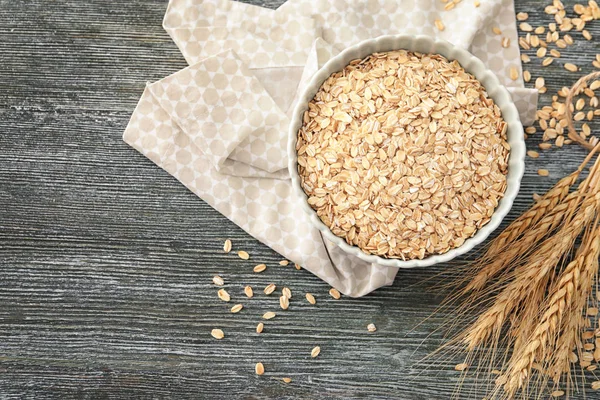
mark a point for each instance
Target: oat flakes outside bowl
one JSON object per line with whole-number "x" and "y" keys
{"x": 421, "y": 44}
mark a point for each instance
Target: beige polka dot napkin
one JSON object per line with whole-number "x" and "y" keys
{"x": 219, "y": 126}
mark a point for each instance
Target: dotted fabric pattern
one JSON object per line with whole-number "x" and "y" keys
{"x": 220, "y": 125}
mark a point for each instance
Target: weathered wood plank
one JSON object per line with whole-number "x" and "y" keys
{"x": 107, "y": 260}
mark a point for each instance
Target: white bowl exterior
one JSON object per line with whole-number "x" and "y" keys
{"x": 422, "y": 44}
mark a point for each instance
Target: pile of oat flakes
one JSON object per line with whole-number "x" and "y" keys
{"x": 403, "y": 154}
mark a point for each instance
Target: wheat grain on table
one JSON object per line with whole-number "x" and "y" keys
{"x": 107, "y": 262}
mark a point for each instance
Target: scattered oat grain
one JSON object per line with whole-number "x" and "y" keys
{"x": 243, "y": 255}
{"x": 227, "y": 246}
{"x": 284, "y": 263}
{"x": 286, "y": 380}
{"x": 523, "y": 43}
{"x": 540, "y": 82}
{"x": 248, "y": 291}
{"x": 547, "y": 61}
{"x": 514, "y": 73}
{"x": 571, "y": 67}
{"x": 269, "y": 315}
{"x": 286, "y": 292}
{"x": 534, "y": 40}
{"x": 333, "y": 292}
{"x": 525, "y": 27}
{"x": 533, "y": 154}
{"x": 541, "y": 52}
{"x": 259, "y": 368}
{"x": 270, "y": 288}
{"x": 237, "y": 308}
{"x": 568, "y": 39}
{"x": 550, "y": 133}
{"x": 557, "y": 393}
{"x": 522, "y": 16}
{"x": 439, "y": 25}
{"x": 223, "y": 295}
{"x": 260, "y": 327}
{"x": 315, "y": 351}
{"x": 217, "y": 280}
{"x": 259, "y": 268}
{"x": 543, "y": 172}
{"x": 217, "y": 334}
{"x": 284, "y": 302}
{"x": 371, "y": 327}
{"x": 311, "y": 299}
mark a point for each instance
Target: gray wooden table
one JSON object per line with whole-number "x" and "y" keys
{"x": 106, "y": 261}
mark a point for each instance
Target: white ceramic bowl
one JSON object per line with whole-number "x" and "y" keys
{"x": 422, "y": 44}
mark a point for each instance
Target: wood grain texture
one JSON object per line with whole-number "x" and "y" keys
{"x": 107, "y": 261}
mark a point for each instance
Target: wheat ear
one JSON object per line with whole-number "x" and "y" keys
{"x": 547, "y": 223}
{"x": 560, "y": 362}
{"x": 529, "y": 275}
{"x": 530, "y": 217}
{"x": 558, "y": 307}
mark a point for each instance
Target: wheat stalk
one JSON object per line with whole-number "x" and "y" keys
{"x": 488, "y": 267}
{"x": 560, "y": 361}
{"x": 521, "y": 248}
{"x": 557, "y": 308}
{"x": 540, "y": 208}
{"x": 534, "y": 274}
{"x": 529, "y": 275}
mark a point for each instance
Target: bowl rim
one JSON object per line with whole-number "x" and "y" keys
{"x": 473, "y": 65}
